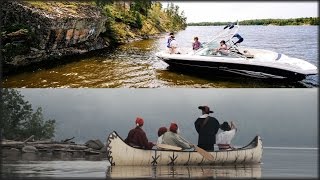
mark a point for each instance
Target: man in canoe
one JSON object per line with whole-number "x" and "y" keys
{"x": 173, "y": 138}
{"x": 137, "y": 137}
{"x": 207, "y": 128}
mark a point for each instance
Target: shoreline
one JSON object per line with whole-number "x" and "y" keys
{"x": 52, "y": 150}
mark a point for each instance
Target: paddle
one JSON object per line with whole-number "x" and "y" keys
{"x": 203, "y": 152}
{"x": 169, "y": 147}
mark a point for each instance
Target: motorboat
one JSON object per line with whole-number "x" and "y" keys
{"x": 121, "y": 154}
{"x": 237, "y": 60}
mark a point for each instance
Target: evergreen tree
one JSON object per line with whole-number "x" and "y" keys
{"x": 18, "y": 121}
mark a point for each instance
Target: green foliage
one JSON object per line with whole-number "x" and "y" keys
{"x": 141, "y": 17}
{"x": 278, "y": 22}
{"x": 102, "y": 3}
{"x": 138, "y": 21}
{"x": 141, "y": 6}
{"x": 18, "y": 121}
{"x": 178, "y": 21}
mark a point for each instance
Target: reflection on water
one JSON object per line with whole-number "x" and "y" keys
{"x": 135, "y": 65}
{"x": 102, "y": 169}
{"x": 54, "y": 169}
{"x": 277, "y": 163}
{"x": 172, "y": 172}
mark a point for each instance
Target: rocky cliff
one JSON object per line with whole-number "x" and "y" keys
{"x": 33, "y": 32}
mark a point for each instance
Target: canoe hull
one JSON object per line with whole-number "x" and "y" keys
{"x": 119, "y": 153}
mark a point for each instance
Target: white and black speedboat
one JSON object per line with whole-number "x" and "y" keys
{"x": 238, "y": 60}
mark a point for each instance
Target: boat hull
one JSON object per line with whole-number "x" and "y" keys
{"x": 119, "y": 153}
{"x": 212, "y": 69}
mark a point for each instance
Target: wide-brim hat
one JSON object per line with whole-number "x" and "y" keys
{"x": 205, "y": 109}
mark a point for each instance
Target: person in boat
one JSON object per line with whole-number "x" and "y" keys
{"x": 196, "y": 44}
{"x": 161, "y": 131}
{"x": 207, "y": 128}
{"x": 137, "y": 137}
{"x": 169, "y": 39}
{"x": 224, "y": 138}
{"x": 173, "y": 138}
{"x": 173, "y": 49}
{"x": 223, "y": 49}
{"x": 240, "y": 39}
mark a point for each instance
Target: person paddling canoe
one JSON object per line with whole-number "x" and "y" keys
{"x": 207, "y": 128}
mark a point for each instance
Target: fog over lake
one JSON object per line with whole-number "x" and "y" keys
{"x": 283, "y": 117}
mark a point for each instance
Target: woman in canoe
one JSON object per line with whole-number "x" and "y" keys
{"x": 173, "y": 138}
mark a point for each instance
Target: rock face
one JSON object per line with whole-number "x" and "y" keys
{"x": 55, "y": 29}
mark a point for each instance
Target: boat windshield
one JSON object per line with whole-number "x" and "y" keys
{"x": 225, "y": 34}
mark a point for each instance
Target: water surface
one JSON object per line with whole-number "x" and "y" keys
{"x": 135, "y": 65}
{"x": 276, "y": 163}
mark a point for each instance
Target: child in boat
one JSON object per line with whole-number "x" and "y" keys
{"x": 224, "y": 138}
{"x": 196, "y": 44}
{"x": 173, "y": 138}
{"x": 137, "y": 137}
{"x": 161, "y": 131}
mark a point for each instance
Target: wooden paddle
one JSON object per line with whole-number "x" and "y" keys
{"x": 204, "y": 153}
{"x": 169, "y": 147}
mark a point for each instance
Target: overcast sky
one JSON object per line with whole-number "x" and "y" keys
{"x": 232, "y": 11}
{"x": 283, "y": 117}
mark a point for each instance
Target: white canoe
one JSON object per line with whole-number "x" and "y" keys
{"x": 119, "y": 153}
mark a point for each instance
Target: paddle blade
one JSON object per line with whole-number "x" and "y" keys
{"x": 169, "y": 147}
{"x": 204, "y": 153}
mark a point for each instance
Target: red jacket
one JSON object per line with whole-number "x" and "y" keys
{"x": 137, "y": 137}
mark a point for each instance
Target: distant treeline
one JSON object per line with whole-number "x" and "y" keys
{"x": 276, "y": 22}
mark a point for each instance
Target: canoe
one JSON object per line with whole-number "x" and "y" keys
{"x": 252, "y": 171}
{"x": 121, "y": 154}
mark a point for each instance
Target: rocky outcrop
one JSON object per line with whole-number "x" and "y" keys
{"x": 48, "y": 149}
{"x": 50, "y": 30}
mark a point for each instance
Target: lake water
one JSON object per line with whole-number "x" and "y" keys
{"x": 134, "y": 65}
{"x": 276, "y": 163}
{"x": 285, "y": 118}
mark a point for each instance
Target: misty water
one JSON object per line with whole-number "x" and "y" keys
{"x": 135, "y": 65}
{"x": 286, "y": 119}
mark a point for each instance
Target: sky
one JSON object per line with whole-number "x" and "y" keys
{"x": 233, "y": 11}
{"x": 283, "y": 117}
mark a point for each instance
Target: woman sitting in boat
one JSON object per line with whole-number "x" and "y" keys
{"x": 224, "y": 138}
{"x": 137, "y": 137}
{"x": 223, "y": 49}
{"x": 173, "y": 138}
{"x": 196, "y": 44}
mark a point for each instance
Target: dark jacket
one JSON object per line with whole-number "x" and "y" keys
{"x": 138, "y": 138}
{"x": 207, "y": 133}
